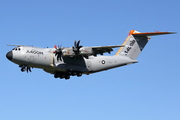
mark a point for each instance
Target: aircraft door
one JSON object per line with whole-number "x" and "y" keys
{"x": 31, "y": 59}
{"x": 89, "y": 65}
{"x": 52, "y": 59}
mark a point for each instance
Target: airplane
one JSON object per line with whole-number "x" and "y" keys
{"x": 77, "y": 60}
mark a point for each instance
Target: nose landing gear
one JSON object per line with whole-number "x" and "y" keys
{"x": 25, "y": 68}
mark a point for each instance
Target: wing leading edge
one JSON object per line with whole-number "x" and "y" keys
{"x": 104, "y": 49}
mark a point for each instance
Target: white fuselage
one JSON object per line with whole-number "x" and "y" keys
{"x": 45, "y": 59}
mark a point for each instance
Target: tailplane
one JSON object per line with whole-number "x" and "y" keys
{"x": 135, "y": 43}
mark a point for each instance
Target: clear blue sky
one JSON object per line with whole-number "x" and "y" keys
{"x": 148, "y": 90}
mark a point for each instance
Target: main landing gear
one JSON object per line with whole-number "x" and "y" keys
{"x": 66, "y": 75}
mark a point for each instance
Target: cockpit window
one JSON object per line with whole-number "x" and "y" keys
{"x": 16, "y": 49}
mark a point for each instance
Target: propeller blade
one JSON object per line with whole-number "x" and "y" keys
{"x": 78, "y": 44}
{"x": 75, "y": 44}
{"x": 58, "y": 52}
{"x": 76, "y": 47}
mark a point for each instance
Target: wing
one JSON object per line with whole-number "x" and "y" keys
{"x": 16, "y": 45}
{"x": 104, "y": 49}
{"x": 87, "y": 51}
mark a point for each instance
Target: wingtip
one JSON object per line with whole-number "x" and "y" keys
{"x": 15, "y": 45}
{"x": 172, "y": 32}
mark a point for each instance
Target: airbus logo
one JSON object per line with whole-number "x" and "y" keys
{"x": 34, "y": 52}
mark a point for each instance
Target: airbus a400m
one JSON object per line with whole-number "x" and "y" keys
{"x": 64, "y": 62}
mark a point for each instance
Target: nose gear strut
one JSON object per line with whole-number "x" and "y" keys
{"x": 25, "y": 68}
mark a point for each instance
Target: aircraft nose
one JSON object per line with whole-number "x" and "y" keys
{"x": 9, "y": 55}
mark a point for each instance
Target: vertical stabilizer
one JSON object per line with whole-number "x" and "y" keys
{"x": 135, "y": 43}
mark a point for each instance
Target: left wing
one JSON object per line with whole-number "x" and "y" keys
{"x": 87, "y": 51}
{"x": 79, "y": 50}
{"x": 104, "y": 49}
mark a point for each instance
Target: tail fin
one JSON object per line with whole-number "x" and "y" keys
{"x": 135, "y": 43}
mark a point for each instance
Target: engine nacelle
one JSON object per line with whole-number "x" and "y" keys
{"x": 86, "y": 51}
{"x": 68, "y": 52}
{"x": 82, "y": 51}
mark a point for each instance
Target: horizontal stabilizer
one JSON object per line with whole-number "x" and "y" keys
{"x": 150, "y": 33}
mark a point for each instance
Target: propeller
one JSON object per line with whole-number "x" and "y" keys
{"x": 58, "y": 52}
{"x": 76, "y": 47}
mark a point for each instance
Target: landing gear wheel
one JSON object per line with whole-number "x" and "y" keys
{"x": 67, "y": 77}
{"x": 69, "y": 72}
{"x": 79, "y": 74}
{"x": 22, "y": 69}
{"x": 61, "y": 76}
{"x": 56, "y": 75}
{"x": 74, "y": 73}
